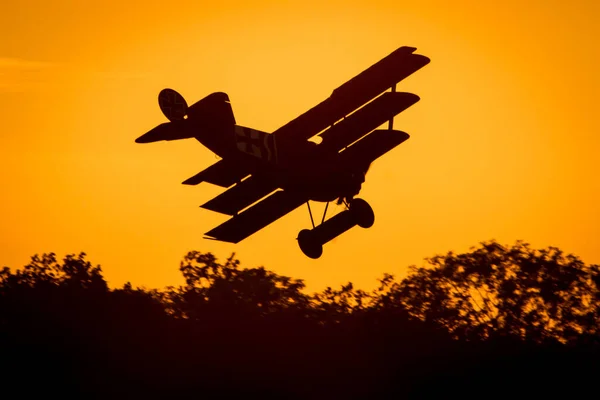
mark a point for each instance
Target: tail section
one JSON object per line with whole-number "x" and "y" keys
{"x": 211, "y": 114}
{"x": 214, "y": 108}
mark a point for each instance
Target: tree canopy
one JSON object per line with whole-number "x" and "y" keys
{"x": 230, "y": 330}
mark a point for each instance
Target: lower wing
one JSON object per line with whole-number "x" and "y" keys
{"x": 257, "y": 217}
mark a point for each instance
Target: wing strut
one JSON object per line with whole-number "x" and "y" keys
{"x": 312, "y": 221}
{"x": 391, "y": 123}
{"x": 324, "y": 213}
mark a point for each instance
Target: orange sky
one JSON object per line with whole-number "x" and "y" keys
{"x": 503, "y": 143}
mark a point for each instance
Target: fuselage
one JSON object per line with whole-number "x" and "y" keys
{"x": 302, "y": 167}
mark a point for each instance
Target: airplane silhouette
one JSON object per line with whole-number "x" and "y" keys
{"x": 285, "y": 165}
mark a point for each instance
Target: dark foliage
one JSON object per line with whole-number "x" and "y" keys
{"x": 494, "y": 321}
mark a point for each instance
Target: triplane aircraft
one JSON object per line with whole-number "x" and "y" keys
{"x": 285, "y": 165}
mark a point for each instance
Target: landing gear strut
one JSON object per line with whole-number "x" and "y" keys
{"x": 311, "y": 241}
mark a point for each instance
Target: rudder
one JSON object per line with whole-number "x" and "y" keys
{"x": 215, "y": 107}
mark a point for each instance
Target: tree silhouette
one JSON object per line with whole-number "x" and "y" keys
{"x": 494, "y": 314}
{"x": 514, "y": 291}
{"x": 227, "y": 288}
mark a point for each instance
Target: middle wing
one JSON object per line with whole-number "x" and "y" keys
{"x": 257, "y": 217}
{"x": 242, "y": 195}
{"x": 363, "y": 121}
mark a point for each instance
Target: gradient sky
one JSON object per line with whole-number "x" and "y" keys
{"x": 504, "y": 142}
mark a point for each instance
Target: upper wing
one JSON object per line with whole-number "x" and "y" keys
{"x": 351, "y": 95}
{"x": 223, "y": 173}
{"x": 257, "y": 217}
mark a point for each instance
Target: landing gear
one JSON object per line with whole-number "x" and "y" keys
{"x": 311, "y": 241}
{"x": 309, "y": 244}
{"x": 363, "y": 213}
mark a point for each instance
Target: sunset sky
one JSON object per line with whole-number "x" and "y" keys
{"x": 504, "y": 142}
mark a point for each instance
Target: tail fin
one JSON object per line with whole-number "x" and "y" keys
{"x": 213, "y": 113}
{"x": 215, "y": 108}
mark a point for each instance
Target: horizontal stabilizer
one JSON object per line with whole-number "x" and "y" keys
{"x": 167, "y": 131}
{"x": 222, "y": 173}
{"x": 240, "y": 196}
{"x": 372, "y": 146}
{"x": 366, "y": 119}
{"x": 257, "y": 217}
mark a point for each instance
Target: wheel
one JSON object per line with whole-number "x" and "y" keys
{"x": 309, "y": 245}
{"x": 365, "y": 217}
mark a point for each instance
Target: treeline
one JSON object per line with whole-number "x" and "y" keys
{"x": 497, "y": 320}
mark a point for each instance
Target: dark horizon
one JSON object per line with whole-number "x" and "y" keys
{"x": 504, "y": 319}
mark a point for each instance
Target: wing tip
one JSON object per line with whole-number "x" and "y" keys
{"x": 217, "y": 239}
{"x": 408, "y": 95}
{"x": 212, "y": 206}
{"x": 212, "y": 238}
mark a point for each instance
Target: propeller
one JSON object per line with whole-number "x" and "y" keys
{"x": 172, "y": 105}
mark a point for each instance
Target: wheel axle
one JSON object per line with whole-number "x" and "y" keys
{"x": 311, "y": 241}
